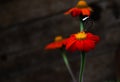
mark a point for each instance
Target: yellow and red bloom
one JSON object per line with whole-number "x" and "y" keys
{"x": 80, "y": 9}
{"x": 81, "y": 42}
{"x": 58, "y": 43}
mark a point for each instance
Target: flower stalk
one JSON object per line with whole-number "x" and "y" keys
{"x": 81, "y": 25}
{"x": 82, "y": 66}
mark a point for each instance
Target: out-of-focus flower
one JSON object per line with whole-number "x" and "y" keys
{"x": 81, "y": 42}
{"x": 58, "y": 43}
{"x": 80, "y": 9}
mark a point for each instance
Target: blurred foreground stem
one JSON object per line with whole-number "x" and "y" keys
{"x": 68, "y": 66}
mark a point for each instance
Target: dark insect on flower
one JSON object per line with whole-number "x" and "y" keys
{"x": 88, "y": 23}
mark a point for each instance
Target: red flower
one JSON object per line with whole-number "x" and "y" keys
{"x": 58, "y": 43}
{"x": 78, "y": 11}
{"x": 81, "y": 42}
{"x": 81, "y": 9}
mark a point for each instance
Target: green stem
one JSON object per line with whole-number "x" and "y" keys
{"x": 81, "y": 26}
{"x": 82, "y": 66}
{"x": 68, "y": 66}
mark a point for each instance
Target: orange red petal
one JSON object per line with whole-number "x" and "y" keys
{"x": 72, "y": 44}
{"x": 54, "y": 45}
{"x": 78, "y": 11}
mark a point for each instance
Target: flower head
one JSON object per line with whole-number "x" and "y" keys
{"x": 80, "y": 9}
{"x": 81, "y": 42}
{"x": 58, "y": 43}
{"x": 82, "y": 4}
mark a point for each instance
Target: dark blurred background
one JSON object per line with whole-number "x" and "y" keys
{"x": 26, "y": 26}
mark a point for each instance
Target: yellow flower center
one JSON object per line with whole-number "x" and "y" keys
{"x": 82, "y": 3}
{"x": 81, "y": 36}
{"x": 58, "y": 38}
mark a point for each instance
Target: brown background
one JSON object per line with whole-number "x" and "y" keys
{"x": 26, "y": 26}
